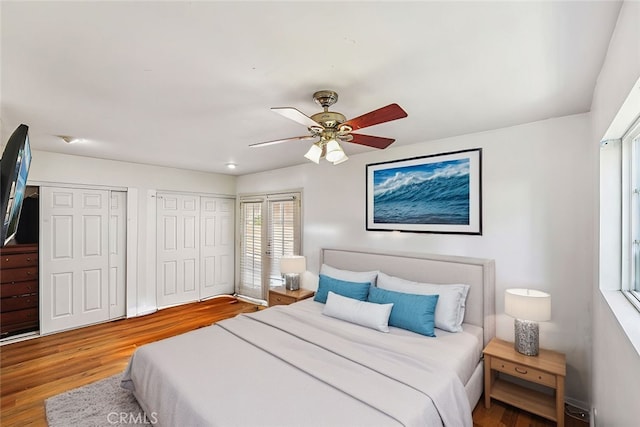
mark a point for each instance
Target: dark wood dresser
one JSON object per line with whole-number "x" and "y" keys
{"x": 18, "y": 289}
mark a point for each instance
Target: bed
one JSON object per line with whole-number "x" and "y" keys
{"x": 295, "y": 366}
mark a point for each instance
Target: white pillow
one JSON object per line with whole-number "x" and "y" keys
{"x": 363, "y": 313}
{"x": 349, "y": 276}
{"x": 451, "y": 301}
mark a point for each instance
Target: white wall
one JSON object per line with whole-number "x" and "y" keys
{"x": 616, "y": 363}
{"x": 537, "y": 222}
{"x": 141, "y": 180}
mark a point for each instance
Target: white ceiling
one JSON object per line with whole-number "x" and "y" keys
{"x": 190, "y": 84}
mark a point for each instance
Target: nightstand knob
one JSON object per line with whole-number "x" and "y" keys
{"x": 521, "y": 371}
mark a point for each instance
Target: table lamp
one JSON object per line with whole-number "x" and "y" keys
{"x": 290, "y": 267}
{"x": 528, "y": 307}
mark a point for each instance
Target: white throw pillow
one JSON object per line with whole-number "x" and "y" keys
{"x": 363, "y": 313}
{"x": 349, "y": 276}
{"x": 451, "y": 301}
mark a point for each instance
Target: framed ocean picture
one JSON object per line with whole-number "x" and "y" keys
{"x": 439, "y": 193}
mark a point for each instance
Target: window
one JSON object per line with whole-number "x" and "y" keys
{"x": 631, "y": 214}
{"x": 270, "y": 227}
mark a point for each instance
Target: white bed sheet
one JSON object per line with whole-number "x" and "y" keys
{"x": 211, "y": 377}
{"x": 464, "y": 349}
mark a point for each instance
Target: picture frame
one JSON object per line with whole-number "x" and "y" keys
{"x": 437, "y": 193}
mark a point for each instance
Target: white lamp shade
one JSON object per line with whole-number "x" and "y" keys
{"x": 293, "y": 264}
{"x": 527, "y": 304}
{"x": 334, "y": 151}
{"x": 343, "y": 159}
{"x": 314, "y": 153}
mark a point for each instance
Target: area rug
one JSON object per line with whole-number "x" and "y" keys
{"x": 103, "y": 403}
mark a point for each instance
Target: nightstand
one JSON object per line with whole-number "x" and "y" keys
{"x": 547, "y": 369}
{"x": 282, "y": 296}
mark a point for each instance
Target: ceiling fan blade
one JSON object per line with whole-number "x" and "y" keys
{"x": 297, "y": 116}
{"x": 381, "y": 115}
{"x": 278, "y": 141}
{"x": 371, "y": 141}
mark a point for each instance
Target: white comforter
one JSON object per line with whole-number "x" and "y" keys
{"x": 289, "y": 366}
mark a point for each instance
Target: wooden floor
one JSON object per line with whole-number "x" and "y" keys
{"x": 33, "y": 370}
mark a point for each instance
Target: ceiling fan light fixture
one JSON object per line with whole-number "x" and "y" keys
{"x": 334, "y": 151}
{"x": 314, "y": 153}
{"x": 329, "y": 128}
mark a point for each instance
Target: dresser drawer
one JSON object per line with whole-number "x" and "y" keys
{"x": 18, "y": 288}
{"x": 19, "y": 274}
{"x": 19, "y": 302}
{"x": 279, "y": 299}
{"x": 524, "y": 372}
{"x": 7, "y": 329}
{"x": 19, "y": 316}
{"x": 18, "y": 260}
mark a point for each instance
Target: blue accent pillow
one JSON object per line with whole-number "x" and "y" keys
{"x": 413, "y": 312}
{"x": 353, "y": 290}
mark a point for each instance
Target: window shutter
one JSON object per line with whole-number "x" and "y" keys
{"x": 251, "y": 249}
{"x": 283, "y": 234}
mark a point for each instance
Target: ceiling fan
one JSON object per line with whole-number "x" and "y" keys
{"x": 328, "y": 128}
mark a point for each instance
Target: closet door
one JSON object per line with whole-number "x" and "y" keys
{"x": 117, "y": 254}
{"x": 216, "y": 246}
{"x": 178, "y": 248}
{"x": 74, "y": 278}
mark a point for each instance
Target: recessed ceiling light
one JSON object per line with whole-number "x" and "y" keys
{"x": 70, "y": 139}
{"x": 231, "y": 165}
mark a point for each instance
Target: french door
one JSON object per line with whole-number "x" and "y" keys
{"x": 270, "y": 227}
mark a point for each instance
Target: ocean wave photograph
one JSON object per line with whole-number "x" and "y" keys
{"x": 430, "y": 193}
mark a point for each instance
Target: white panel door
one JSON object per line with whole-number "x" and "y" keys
{"x": 216, "y": 246}
{"x": 117, "y": 254}
{"x": 74, "y": 278}
{"x": 178, "y": 248}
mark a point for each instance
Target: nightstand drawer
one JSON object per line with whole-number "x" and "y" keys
{"x": 524, "y": 372}
{"x": 281, "y": 296}
{"x": 278, "y": 299}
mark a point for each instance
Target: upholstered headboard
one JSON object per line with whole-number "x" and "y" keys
{"x": 442, "y": 269}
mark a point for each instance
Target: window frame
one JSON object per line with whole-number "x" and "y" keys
{"x": 630, "y": 213}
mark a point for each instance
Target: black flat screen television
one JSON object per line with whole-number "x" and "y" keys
{"x": 14, "y": 168}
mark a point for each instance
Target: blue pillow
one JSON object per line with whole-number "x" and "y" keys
{"x": 413, "y": 312}
{"x": 353, "y": 290}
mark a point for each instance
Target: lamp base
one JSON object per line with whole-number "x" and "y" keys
{"x": 526, "y": 337}
{"x": 292, "y": 281}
